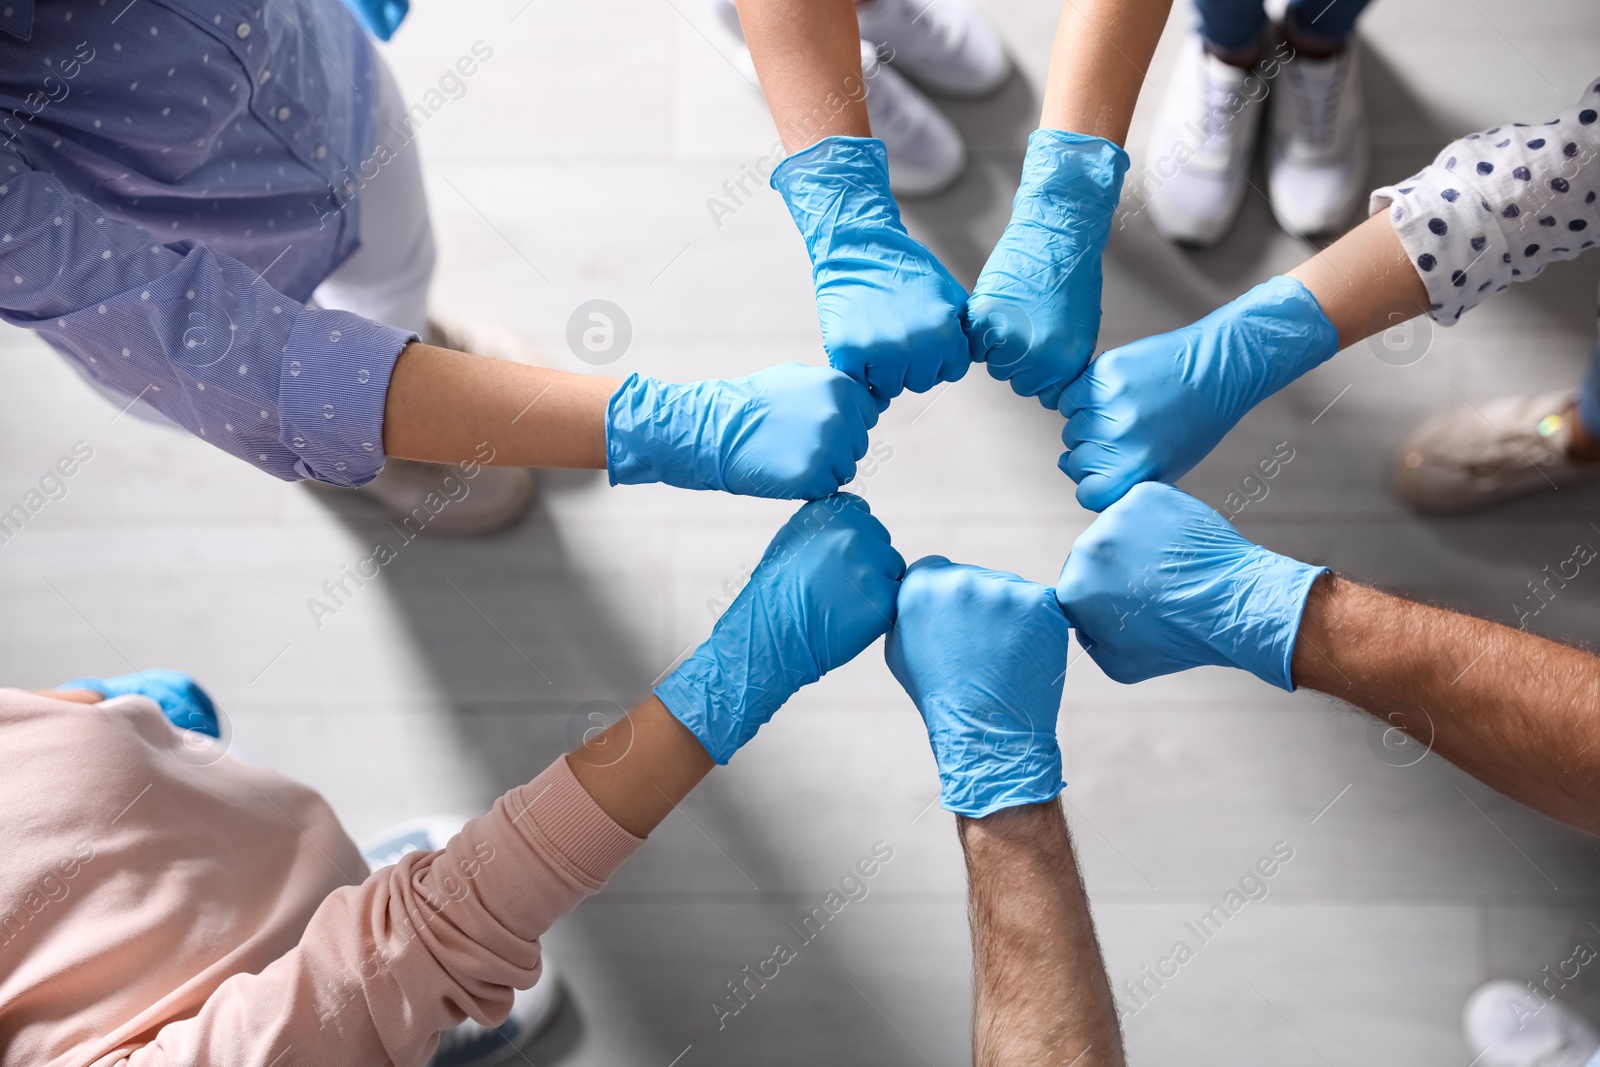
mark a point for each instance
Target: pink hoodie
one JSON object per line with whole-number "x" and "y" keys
{"x": 162, "y": 902}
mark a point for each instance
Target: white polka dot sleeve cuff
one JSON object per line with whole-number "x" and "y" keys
{"x": 1496, "y": 207}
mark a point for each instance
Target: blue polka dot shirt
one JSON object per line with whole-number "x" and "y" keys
{"x": 175, "y": 180}
{"x": 1496, "y": 207}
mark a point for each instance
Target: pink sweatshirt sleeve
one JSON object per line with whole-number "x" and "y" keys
{"x": 387, "y": 964}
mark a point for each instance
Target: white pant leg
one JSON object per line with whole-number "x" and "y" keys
{"x": 387, "y": 278}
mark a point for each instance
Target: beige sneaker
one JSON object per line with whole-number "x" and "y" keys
{"x": 1480, "y": 455}
{"x": 440, "y": 499}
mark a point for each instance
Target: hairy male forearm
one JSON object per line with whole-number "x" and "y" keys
{"x": 1517, "y": 712}
{"x": 1039, "y": 985}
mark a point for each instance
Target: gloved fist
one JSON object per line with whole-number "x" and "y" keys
{"x": 790, "y": 432}
{"x": 982, "y": 654}
{"x": 891, "y": 314}
{"x": 1161, "y": 583}
{"x": 823, "y": 592}
{"x": 1034, "y": 315}
{"x": 1155, "y": 408}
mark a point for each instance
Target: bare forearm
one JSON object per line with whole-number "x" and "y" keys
{"x": 1364, "y": 282}
{"x": 445, "y": 406}
{"x": 1040, "y": 989}
{"x": 1513, "y": 710}
{"x": 1101, "y": 54}
{"x": 808, "y": 56}
{"x": 641, "y": 767}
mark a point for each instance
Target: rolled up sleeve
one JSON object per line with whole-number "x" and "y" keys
{"x": 297, "y": 391}
{"x": 1495, "y": 208}
{"x": 436, "y": 938}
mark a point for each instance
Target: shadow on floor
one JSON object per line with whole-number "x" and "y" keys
{"x": 509, "y": 623}
{"x": 522, "y": 644}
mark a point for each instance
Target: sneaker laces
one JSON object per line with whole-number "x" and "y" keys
{"x": 1316, "y": 91}
{"x": 1213, "y": 108}
{"x": 926, "y": 26}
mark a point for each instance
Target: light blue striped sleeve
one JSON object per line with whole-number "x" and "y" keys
{"x": 298, "y": 392}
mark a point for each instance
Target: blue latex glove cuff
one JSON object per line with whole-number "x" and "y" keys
{"x": 722, "y": 696}
{"x": 1267, "y": 625}
{"x": 1008, "y": 769}
{"x": 1283, "y": 331}
{"x": 1070, "y": 177}
{"x": 1073, "y": 156}
{"x": 186, "y": 705}
{"x": 646, "y": 443}
{"x": 837, "y": 176}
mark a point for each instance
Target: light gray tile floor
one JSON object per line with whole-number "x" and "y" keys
{"x": 578, "y": 165}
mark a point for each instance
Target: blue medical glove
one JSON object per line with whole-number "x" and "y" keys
{"x": 1161, "y": 583}
{"x": 822, "y": 593}
{"x": 380, "y": 17}
{"x": 891, "y": 314}
{"x": 1153, "y": 409}
{"x": 187, "y": 706}
{"x": 1034, "y": 315}
{"x": 790, "y": 432}
{"x": 982, "y": 654}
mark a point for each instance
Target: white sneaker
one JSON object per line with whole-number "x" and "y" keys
{"x": 926, "y": 153}
{"x": 1475, "y": 457}
{"x": 1506, "y": 1025}
{"x": 472, "y": 1044}
{"x": 1317, "y": 149}
{"x": 1198, "y": 162}
{"x": 943, "y": 45}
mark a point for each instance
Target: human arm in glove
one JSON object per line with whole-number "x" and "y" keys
{"x": 1161, "y": 583}
{"x": 982, "y": 654}
{"x": 892, "y": 316}
{"x": 823, "y": 591}
{"x": 791, "y": 431}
